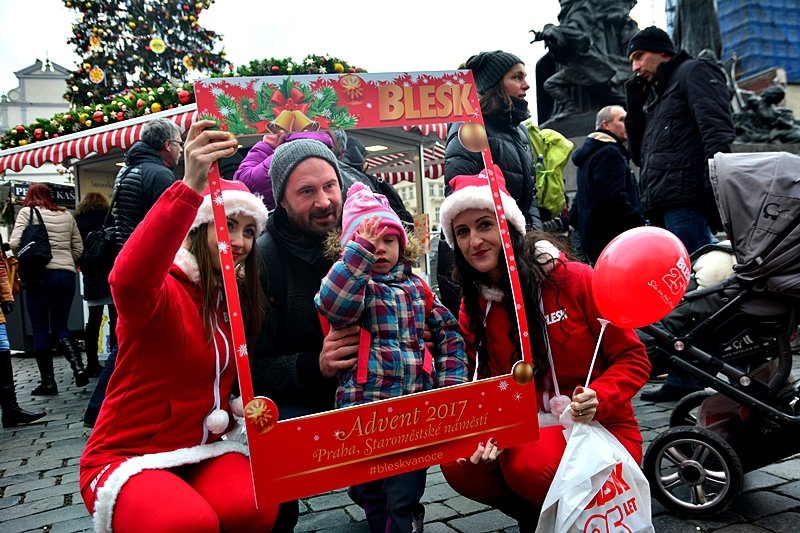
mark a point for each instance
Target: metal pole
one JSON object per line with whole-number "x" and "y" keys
{"x": 419, "y": 172}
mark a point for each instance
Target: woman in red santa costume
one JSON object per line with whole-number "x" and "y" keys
{"x": 156, "y": 460}
{"x": 563, "y": 326}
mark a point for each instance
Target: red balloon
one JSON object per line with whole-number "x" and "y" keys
{"x": 640, "y": 277}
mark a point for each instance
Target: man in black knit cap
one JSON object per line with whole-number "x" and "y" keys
{"x": 678, "y": 118}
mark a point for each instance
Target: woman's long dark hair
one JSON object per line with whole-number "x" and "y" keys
{"x": 495, "y": 100}
{"x": 248, "y": 280}
{"x": 532, "y": 276}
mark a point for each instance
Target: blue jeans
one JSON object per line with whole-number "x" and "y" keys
{"x": 4, "y": 344}
{"x": 690, "y": 226}
{"x": 99, "y": 393}
{"x": 49, "y": 302}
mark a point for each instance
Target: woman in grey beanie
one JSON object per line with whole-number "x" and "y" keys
{"x": 500, "y": 79}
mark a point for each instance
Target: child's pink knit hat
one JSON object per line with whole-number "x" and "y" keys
{"x": 360, "y": 205}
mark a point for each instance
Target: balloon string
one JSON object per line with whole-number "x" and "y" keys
{"x": 603, "y": 324}
{"x": 549, "y": 352}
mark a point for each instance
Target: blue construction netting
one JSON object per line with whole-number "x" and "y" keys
{"x": 763, "y": 33}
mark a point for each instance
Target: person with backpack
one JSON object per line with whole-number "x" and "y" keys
{"x": 90, "y": 215}
{"x": 501, "y": 81}
{"x": 372, "y": 285}
{"x": 140, "y": 183}
{"x": 49, "y": 291}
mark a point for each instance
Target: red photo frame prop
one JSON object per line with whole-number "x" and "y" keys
{"x": 313, "y": 454}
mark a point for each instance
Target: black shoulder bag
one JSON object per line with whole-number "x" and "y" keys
{"x": 34, "y": 249}
{"x": 100, "y": 246}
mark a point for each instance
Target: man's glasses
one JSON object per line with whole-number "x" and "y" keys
{"x": 179, "y": 143}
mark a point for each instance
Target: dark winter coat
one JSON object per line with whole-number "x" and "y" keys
{"x": 686, "y": 121}
{"x": 145, "y": 177}
{"x": 286, "y": 356}
{"x": 607, "y": 200}
{"x": 94, "y": 287}
{"x": 511, "y": 151}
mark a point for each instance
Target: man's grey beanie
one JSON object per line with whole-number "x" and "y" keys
{"x": 292, "y": 153}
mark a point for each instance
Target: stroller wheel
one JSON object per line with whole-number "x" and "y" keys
{"x": 693, "y": 471}
{"x": 685, "y": 411}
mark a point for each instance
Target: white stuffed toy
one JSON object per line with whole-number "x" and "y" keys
{"x": 713, "y": 267}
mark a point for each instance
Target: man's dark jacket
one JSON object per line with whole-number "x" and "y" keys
{"x": 607, "y": 200}
{"x": 145, "y": 177}
{"x": 686, "y": 120}
{"x": 286, "y": 355}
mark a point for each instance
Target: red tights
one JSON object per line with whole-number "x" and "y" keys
{"x": 212, "y": 496}
{"x": 525, "y": 470}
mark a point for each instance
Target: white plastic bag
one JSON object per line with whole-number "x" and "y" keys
{"x": 598, "y": 487}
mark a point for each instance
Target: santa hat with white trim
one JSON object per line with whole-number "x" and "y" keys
{"x": 238, "y": 201}
{"x": 474, "y": 192}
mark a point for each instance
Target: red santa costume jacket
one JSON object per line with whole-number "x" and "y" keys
{"x": 622, "y": 366}
{"x": 168, "y": 377}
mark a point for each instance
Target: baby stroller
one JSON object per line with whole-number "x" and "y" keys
{"x": 734, "y": 338}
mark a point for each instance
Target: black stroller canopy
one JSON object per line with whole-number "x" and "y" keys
{"x": 758, "y": 196}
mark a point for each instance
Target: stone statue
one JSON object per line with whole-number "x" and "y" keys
{"x": 585, "y": 66}
{"x": 697, "y": 27}
{"x": 762, "y": 121}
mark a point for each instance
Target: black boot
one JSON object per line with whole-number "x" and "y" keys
{"x": 13, "y": 414}
{"x": 93, "y": 367}
{"x": 44, "y": 360}
{"x": 73, "y": 356}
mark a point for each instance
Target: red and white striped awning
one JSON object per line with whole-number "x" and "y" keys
{"x": 99, "y": 141}
{"x": 427, "y": 130}
{"x": 393, "y": 168}
{"x": 402, "y": 166}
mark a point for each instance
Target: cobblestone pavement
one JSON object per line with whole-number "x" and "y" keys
{"x": 39, "y": 479}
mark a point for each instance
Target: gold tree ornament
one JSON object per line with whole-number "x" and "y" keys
{"x": 157, "y": 46}
{"x": 96, "y": 75}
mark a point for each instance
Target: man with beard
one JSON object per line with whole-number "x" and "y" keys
{"x": 293, "y": 363}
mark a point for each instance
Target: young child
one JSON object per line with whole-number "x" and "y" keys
{"x": 372, "y": 285}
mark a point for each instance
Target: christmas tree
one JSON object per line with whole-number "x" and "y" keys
{"x": 138, "y": 43}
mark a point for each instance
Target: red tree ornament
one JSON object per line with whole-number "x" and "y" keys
{"x": 184, "y": 96}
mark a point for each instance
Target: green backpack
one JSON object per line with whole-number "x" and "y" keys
{"x": 554, "y": 150}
